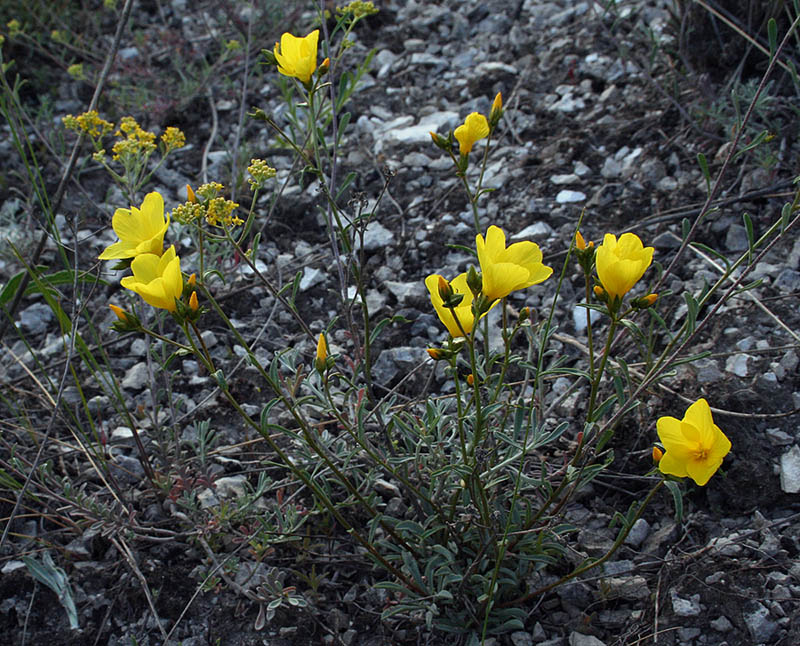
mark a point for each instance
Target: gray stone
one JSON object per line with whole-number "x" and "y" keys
{"x": 736, "y": 238}
{"x": 394, "y": 360}
{"x": 536, "y": 230}
{"x": 759, "y": 625}
{"x": 377, "y": 237}
{"x": 638, "y": 533}
{"x": 561, "y": 180}
{"x": 125, "y": 469}
{"x": 565, "y": 197}
{"x": 721, "y": 624}
{"x": 628, "y": 587}
{"x": 406, "y": 293}
{"x": 707, "y": 371}
{"x": 788, "y": 281}
{"x": 311, "y": 277}
{"x": 685, "y": 607}
{"x": 737, "y": 364}
{"x": 790, "y": 470}
{"x": 579, "y": 639}
{"x": 231, "y": 486}
{"x": 521, "y": 638}
{"x": 35, "y": 318}
{"x": 137, "y": 376}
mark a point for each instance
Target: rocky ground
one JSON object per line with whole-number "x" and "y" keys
{"x": 598, "y": 118}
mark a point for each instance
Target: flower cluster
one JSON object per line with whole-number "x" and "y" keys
{"x": 260, "y": 172}
{"x": 89, "y": 122}
{"x": 358, "y": 9}
{"x": 173, "y": 138}
{"x": 503, "y": 270}
{"x": 212, "y": 207}
{"x": 133, "y": 140}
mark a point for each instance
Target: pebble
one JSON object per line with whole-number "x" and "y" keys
{"x": 790, "y": 470}
{"x": 737, "y": 364}
{"x": 35, "y": 318}
{"x": 685, "y": 607}
{"x": 759, "y": 625}
{"x": 566, "y": 197}
{"x": 579, "y": 639}
{"x": 137, "y": 376}
{"x": 638, "y": 533}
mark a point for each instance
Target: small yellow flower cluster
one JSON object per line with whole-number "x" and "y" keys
{"x": 76, "y": 71}
{"x": 233, "y": 45}
{"x": 358, "y": 9}
{"x": 215, "y": 209}
{"x": 14, "y": 27}
{"x": 58, "y": 36}
{"x": 173, "y": 138}
{"x": 260, "y": 172}
{"x": 134, "y": 140}
{"x": 219, "y": 210}
{"x": 88, "y": 122}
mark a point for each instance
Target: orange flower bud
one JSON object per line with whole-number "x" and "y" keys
{"x": 580, "y": 243}
{"x": 648, "y": 300}
{"x": 191, "y": 280}
{"x": 471, "y": 379}
{"x": 190, "y": 196}
{"x": 657, "y": 455}
{"x": 193, "y": 302}
{"x": 122, "y": 315}
{"x": 436, "y": 353}
{"x": 599, "y": 292}
{"x": 497, "y": 104}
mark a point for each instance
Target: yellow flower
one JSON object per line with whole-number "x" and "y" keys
{"x": 475, "y": 127}
{"x": 139, "y": 230}
{"x": 463, "y": 310}
{"x": 620, "y": 264}
{"x": 507, "y": 269}
{"x": 297, "y": 57}
{"x": 157, "y": 280}
{"x": 694, "y": 446}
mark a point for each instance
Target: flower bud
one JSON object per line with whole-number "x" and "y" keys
{"x": 325, "y": 66}
{"x": 580, "y": 243}
{"x": 193, "y": 304}
{"x": 321, "y": 360}
{"x": 647, "y": 301}
{"x": 192, "y": 280}
{"x": 474, "y": 281}
{"x": 524, "y": 314}
{"x": 445, "y": 291}
{"x": 190, "y": 196}
{"x": 657, "y": 455}
{"x": 471, "y": 379}
{"x": 600, "y": 293}
{"x": 437, "y": 354}
{"x": 497, "y": 111}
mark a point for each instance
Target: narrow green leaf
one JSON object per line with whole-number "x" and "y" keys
{"x": 677, "y": 498}
{"x": 772, "y": 36}
{"x": 751, "y": 239}
{"x": 701, "y": 159}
